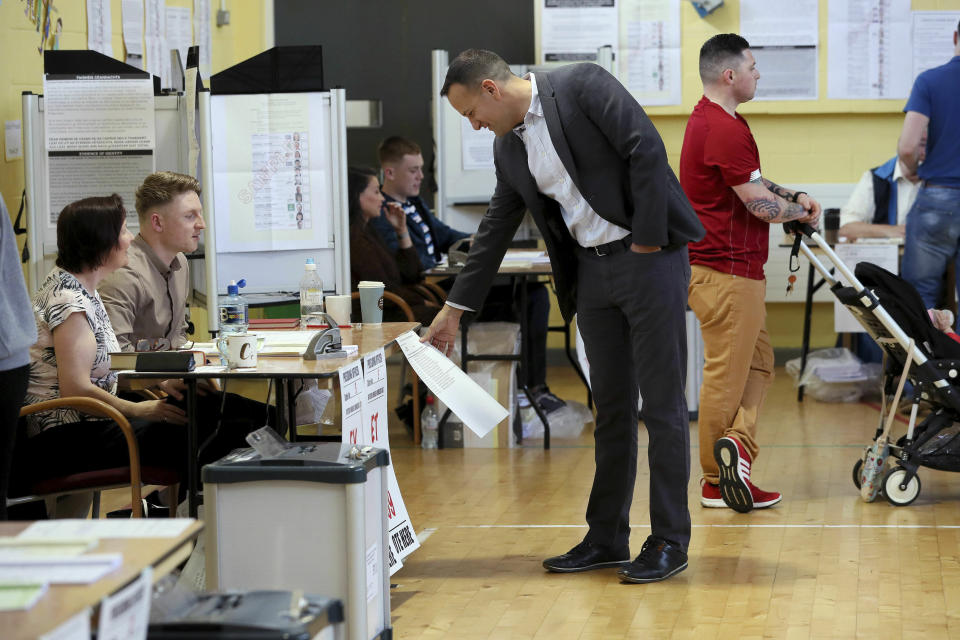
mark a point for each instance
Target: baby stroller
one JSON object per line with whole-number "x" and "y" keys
{"x": 893, "y": 314}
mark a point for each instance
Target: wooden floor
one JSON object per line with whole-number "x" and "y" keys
{"x": 821, "y": 564}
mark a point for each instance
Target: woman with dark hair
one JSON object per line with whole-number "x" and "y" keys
{"x": 72, "y": 357}
{"x": 369, "y": 257}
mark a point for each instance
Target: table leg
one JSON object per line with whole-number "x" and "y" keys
{"x": 291, "y": 413}
{"x": 807, "y": 313}
{"x": 525, "y": 362}
{"x": 193, "y": 480}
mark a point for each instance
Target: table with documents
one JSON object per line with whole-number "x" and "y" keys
{"x": 139, "y": 544}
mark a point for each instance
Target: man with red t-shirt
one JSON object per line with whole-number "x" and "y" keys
{"x": 720, "y": 173}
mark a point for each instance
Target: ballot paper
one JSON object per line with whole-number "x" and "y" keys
{"x": 468, "y": 400}
{"x": 107, "y": 528}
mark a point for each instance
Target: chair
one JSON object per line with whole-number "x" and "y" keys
{"x": 414, "y": 380}
{"x": 101, "y": 479}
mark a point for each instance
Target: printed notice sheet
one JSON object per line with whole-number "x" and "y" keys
{"x": 468, "y": 400}
{"x": 403, "y": 539}
{"x": 99, "y": 37}
{"x": 572, "y": 30}
{"x": 351, "y": 402}
{"x": 125, "y": 614}
{"x": 650, "y": 60}
{"x": 932, "y": 39}
{"x": 202, "y": 35}
{"x": 76, "y": 628}
{"x": 476, "y": 147}
{"x": 882, "y": 255}
{"x": 868, "y": 49}
{"x": 131, "y": 12}
{"x": 270, "y": 171}
{"x": 179, "y": 34}
{"x": 783, "y": 37}
{"x": 155, "y": 41}
{"x": 100, "y": 137}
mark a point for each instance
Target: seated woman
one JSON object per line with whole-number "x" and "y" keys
{"x": 72, "y": 358}
{"x": 369, "y": 257}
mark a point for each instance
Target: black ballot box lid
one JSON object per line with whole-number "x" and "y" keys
{"x": 324, "y": 462}
{"x": 251, "y": 615}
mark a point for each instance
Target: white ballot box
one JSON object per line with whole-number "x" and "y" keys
{"x": 312, "y": 518}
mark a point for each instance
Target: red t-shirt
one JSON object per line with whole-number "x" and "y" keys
{"x": 718, "y": 153}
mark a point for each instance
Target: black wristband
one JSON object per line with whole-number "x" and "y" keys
{"x": 797, "y": 194}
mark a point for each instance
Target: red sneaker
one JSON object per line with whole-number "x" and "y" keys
{"x": 736, "y": 490}
{"x": 711, "y": 498}
{"x": 710, "y": 495}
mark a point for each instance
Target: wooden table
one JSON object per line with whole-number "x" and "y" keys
{"x": 63, "y": 601}
{"x": 367, "y": 337}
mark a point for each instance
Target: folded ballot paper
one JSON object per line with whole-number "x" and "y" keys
{"x": 468, "y": 400}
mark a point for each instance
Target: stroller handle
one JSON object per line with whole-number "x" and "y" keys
{"x": 794, "y": 227}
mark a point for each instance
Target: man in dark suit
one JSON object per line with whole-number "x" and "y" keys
{"x": 575, "y": 149}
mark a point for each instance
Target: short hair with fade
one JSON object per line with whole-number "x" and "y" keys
{"x": 394, "y": 148}
{"x": 722, "y": 51}
{"x": 472, "y": 67}
{"x": 162, "y": 187}
{"x": 87, "y": 231}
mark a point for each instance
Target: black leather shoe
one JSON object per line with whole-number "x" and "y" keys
{"x": 658, "y": 560}
{"x": 587, "y": 556}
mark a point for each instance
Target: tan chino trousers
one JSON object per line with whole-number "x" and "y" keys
{"x": 738, "y": 365}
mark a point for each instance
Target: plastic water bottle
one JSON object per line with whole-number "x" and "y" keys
{"x": 429, "y": 422}
{"x": 234, "y": 315}
{"x": 311, "y": 295}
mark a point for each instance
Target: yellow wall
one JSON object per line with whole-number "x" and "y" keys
{"x": 799, "y": 141}
{"x": 21, "y": 66}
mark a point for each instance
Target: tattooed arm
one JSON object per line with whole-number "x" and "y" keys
{"x": 772, "y": 203}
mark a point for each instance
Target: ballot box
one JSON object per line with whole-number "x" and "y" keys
{"x": 251, "y": 615}
{"x": 312, "y": 518}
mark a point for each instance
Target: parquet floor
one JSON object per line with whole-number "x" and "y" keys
{"x": 822, "y": 564}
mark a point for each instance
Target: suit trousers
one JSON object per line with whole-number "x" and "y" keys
{"x": 631, "y": 313}
{"x": 738, "y": 367}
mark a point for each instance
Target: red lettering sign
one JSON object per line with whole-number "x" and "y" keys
{"x": 373, "y": 427}
{"x": 391, "y": 510}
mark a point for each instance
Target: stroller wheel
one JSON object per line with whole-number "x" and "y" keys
{"x": 896, "y": 493}
{"x": 857, "y": 468}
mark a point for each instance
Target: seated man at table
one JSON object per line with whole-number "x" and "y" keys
{"x": 146, "y": 299}
{"x": 402, "y": 166}
{"x": 878, "y": 206}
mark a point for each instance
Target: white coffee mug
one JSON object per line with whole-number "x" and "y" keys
{"x": 240, "y": 349}
{"x": 339, "y": 307}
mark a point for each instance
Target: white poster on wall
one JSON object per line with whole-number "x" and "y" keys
{"x": 649, "y": 63}
{"x": 852, "y": 254}
{"x": 572, "y": 30}
{"x": 784, "y": 38}
{"x": 869, "y": 49}
{"x": 933, "y": 38}
{"x": 476, "y": 147}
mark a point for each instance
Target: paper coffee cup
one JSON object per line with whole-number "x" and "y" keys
{"x": 371, "y": 301}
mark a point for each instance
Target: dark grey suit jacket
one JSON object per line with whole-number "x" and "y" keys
{"x": 616, "y": 158}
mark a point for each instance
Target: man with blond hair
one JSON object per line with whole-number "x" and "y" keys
{"x": 147, "y": 299}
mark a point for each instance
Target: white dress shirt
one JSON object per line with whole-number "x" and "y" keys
{"x": 860, "y": 206}
{"x": 553, "y": 180}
